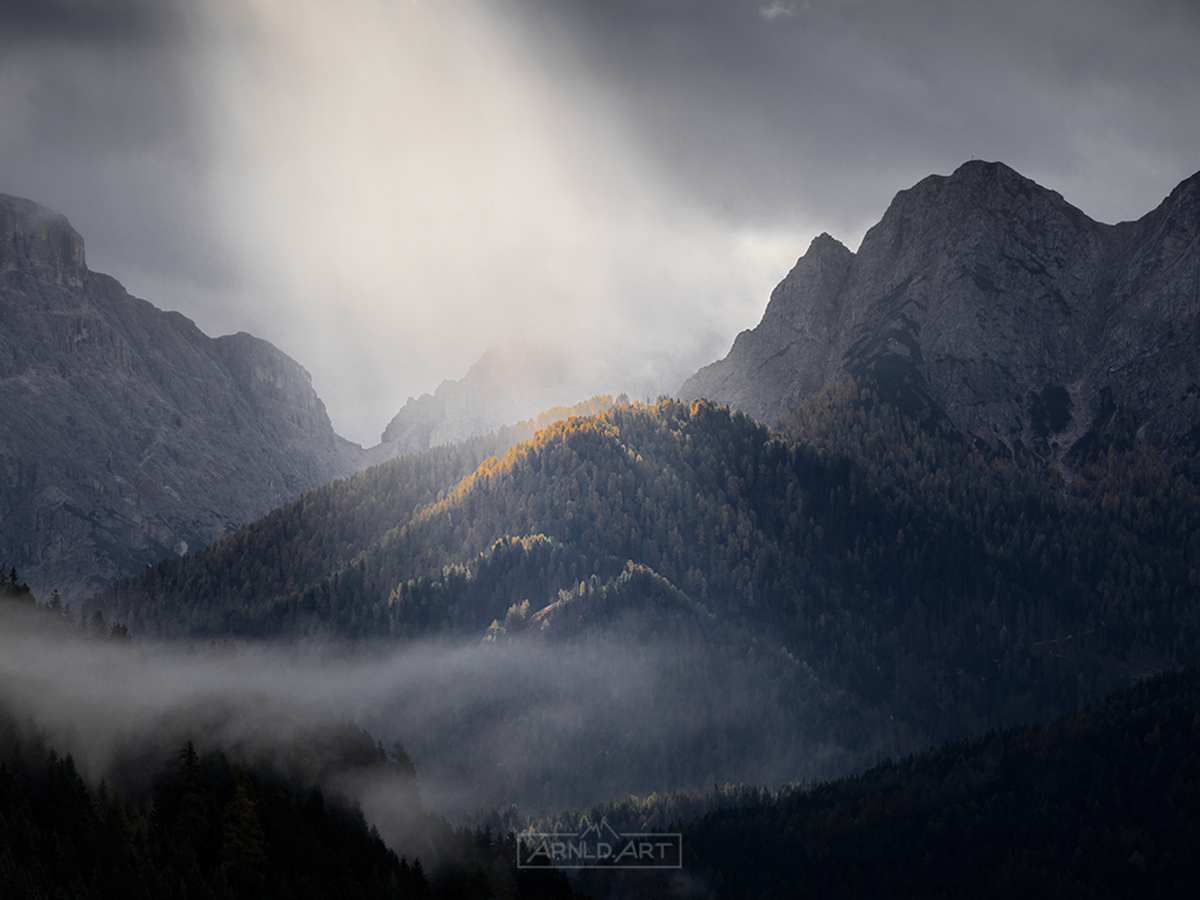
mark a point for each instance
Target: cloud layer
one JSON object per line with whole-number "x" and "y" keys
{"x": 542, "y": 725}
{"x": 382, "y": 188}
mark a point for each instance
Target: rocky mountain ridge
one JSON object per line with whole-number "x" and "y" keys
{"x": 992, "y": 304}
{"x": 128, "y": 434}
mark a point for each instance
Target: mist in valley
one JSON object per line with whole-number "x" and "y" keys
{"x": 487, "y": 724}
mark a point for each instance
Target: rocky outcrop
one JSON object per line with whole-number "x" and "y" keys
{"x": 992, "y": 304}
{"x": 127, "y": 434}
{"x": 771, "y": 368}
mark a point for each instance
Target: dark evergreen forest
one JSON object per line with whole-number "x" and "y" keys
{"x": 1101, "y": 803}
{"x": 895, "y": 582}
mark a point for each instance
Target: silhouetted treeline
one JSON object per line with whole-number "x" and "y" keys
{"x": 213, "y": 828}
{"x": 1101, "y": 803}
{"x": 54, "y": 617}
{"x": 209, "y": 825}
{"x": 11, "y": 586}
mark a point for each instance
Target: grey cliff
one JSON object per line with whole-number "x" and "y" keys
{"x": 991, "y": 304}
{"x": 127, "y": 434}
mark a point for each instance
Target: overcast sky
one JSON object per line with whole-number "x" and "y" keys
{"x": 382, "y": 188}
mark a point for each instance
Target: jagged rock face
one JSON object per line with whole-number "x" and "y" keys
{"x": 988, "y": 301}
{"x": 128, "y": 434}
{"x": 773, "y": 367}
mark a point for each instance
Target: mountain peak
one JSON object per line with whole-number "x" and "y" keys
{"x": 804, "y": 307}
{"x": 982, "y": 173}
{"x": 975, "y": 169}
{"x": 987, "y": 301}
{"x": 977, "y": 187}
{"x": 825, "y": 243}
{"x": 1184, "y": 202}
{"x": 40, "y": 242}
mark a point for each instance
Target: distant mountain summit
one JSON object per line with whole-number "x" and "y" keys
{"x": 989, "y": 302}
{"x": 510, "y": 383}
{"x": 127, "y": 434}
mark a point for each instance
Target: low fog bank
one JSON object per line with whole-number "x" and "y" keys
{"x": 485, "y": 724}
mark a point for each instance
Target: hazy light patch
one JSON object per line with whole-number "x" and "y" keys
{"x": 777, "y": 10}
{"x": 405, "y": 191}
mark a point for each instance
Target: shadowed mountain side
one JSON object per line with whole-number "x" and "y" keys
{"x": 128, "y": 434}
{"x": 917, "y": 586}
{"x": 986, "y": 301}
{"x": 243, "y": 583}
{"x": 772, "y": 368}
{"x": 1101, "y": 803}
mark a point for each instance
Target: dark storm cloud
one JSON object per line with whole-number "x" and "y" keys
{"x": 383, "y": 188}
{"x": 88, "y": 21}
{"x": 760, "y": 108}
{"x": 103, "y": 121}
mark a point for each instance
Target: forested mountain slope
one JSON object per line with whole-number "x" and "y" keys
{"x": 881, "y": 583}
{"x": 209, "y": 827}
{"x": 1102, "y": 803}
{"x": 227, "y": 588}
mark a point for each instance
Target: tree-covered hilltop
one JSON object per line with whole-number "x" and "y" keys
{"x": 304, "y": 542}
{"x": 893, "y": 584}
{"x": 1101, "y": 803}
